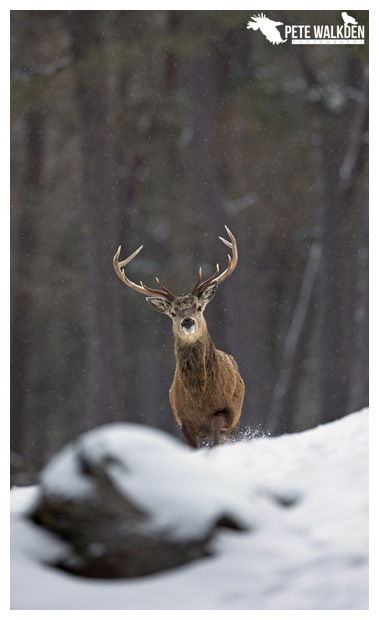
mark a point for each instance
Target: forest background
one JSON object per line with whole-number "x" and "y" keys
{"x": 157, "y": 128}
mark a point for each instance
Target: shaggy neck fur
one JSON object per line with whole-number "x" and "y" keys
{"x": 196, "y": 362}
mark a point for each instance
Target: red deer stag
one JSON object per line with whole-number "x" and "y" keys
{"x": 207, "y": 392}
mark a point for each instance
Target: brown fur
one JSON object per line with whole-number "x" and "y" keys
{"x": 207, "y": 392}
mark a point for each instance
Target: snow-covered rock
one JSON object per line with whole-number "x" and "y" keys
{"x": 303, "y": 498}
{"x": 131, "y": 501}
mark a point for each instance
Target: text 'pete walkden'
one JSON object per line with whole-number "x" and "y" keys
{"x": 322, "y": 34}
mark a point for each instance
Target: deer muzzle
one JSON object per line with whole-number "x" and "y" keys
{"x": 188, "y": 325}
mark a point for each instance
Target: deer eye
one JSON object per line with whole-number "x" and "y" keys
{"x": 173, "y": 314}
{"x": 199, "y": 308}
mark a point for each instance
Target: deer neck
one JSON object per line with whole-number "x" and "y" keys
{"x": 193, "y": 361}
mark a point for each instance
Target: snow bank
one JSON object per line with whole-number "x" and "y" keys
{"x": 181, "y": 495}
{"x": 305, "y": 494}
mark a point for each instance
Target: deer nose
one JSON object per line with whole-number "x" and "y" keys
{"x": 187, "y": 323}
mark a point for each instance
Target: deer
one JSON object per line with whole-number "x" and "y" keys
{"x": 207, "y": 392}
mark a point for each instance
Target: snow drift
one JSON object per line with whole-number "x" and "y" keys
{"x": 303, "y": 499}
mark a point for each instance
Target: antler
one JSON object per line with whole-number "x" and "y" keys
{"x": 145, "y": 290}
{"x": 200, "y": 286}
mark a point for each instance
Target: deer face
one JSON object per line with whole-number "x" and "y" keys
{"x": 186, "y": 312}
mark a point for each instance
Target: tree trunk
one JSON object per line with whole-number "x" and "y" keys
{"x": 99, "y": 207}
{"x": 343, "y": 153}
{"x": 283, "y": 406}
{"x": 359, "y": 387}
{"x": 22, "y": 281}
{"x": 204, "y": 73}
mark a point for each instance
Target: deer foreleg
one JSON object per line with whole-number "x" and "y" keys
{"x": 217, "y": 424}
{"x": 191, "y": 438}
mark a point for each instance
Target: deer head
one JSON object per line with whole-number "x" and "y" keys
{"x": 186, "y": 312}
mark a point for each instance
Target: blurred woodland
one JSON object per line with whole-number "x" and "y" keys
{"x": 157, "y": 128}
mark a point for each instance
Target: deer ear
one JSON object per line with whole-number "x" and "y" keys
{"x": 209, "y": 292}
{"x": 159, "y": 303}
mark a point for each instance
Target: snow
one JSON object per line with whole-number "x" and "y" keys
{"x": 303, "y": 497}
{"x": 183, "y": 496}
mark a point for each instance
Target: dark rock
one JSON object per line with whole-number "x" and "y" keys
{"x": 130, "y": 502}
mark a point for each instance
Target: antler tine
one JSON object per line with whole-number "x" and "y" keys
{"x": 152, "y": 291}
{"x": 127, "y": 260}
{"x": 145, "y": 290}
{"x": 168, "y": 293}
{"x": 232, "y": 264}
{"x": 208, "y": 281}
{"x": 198, "y": 282}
